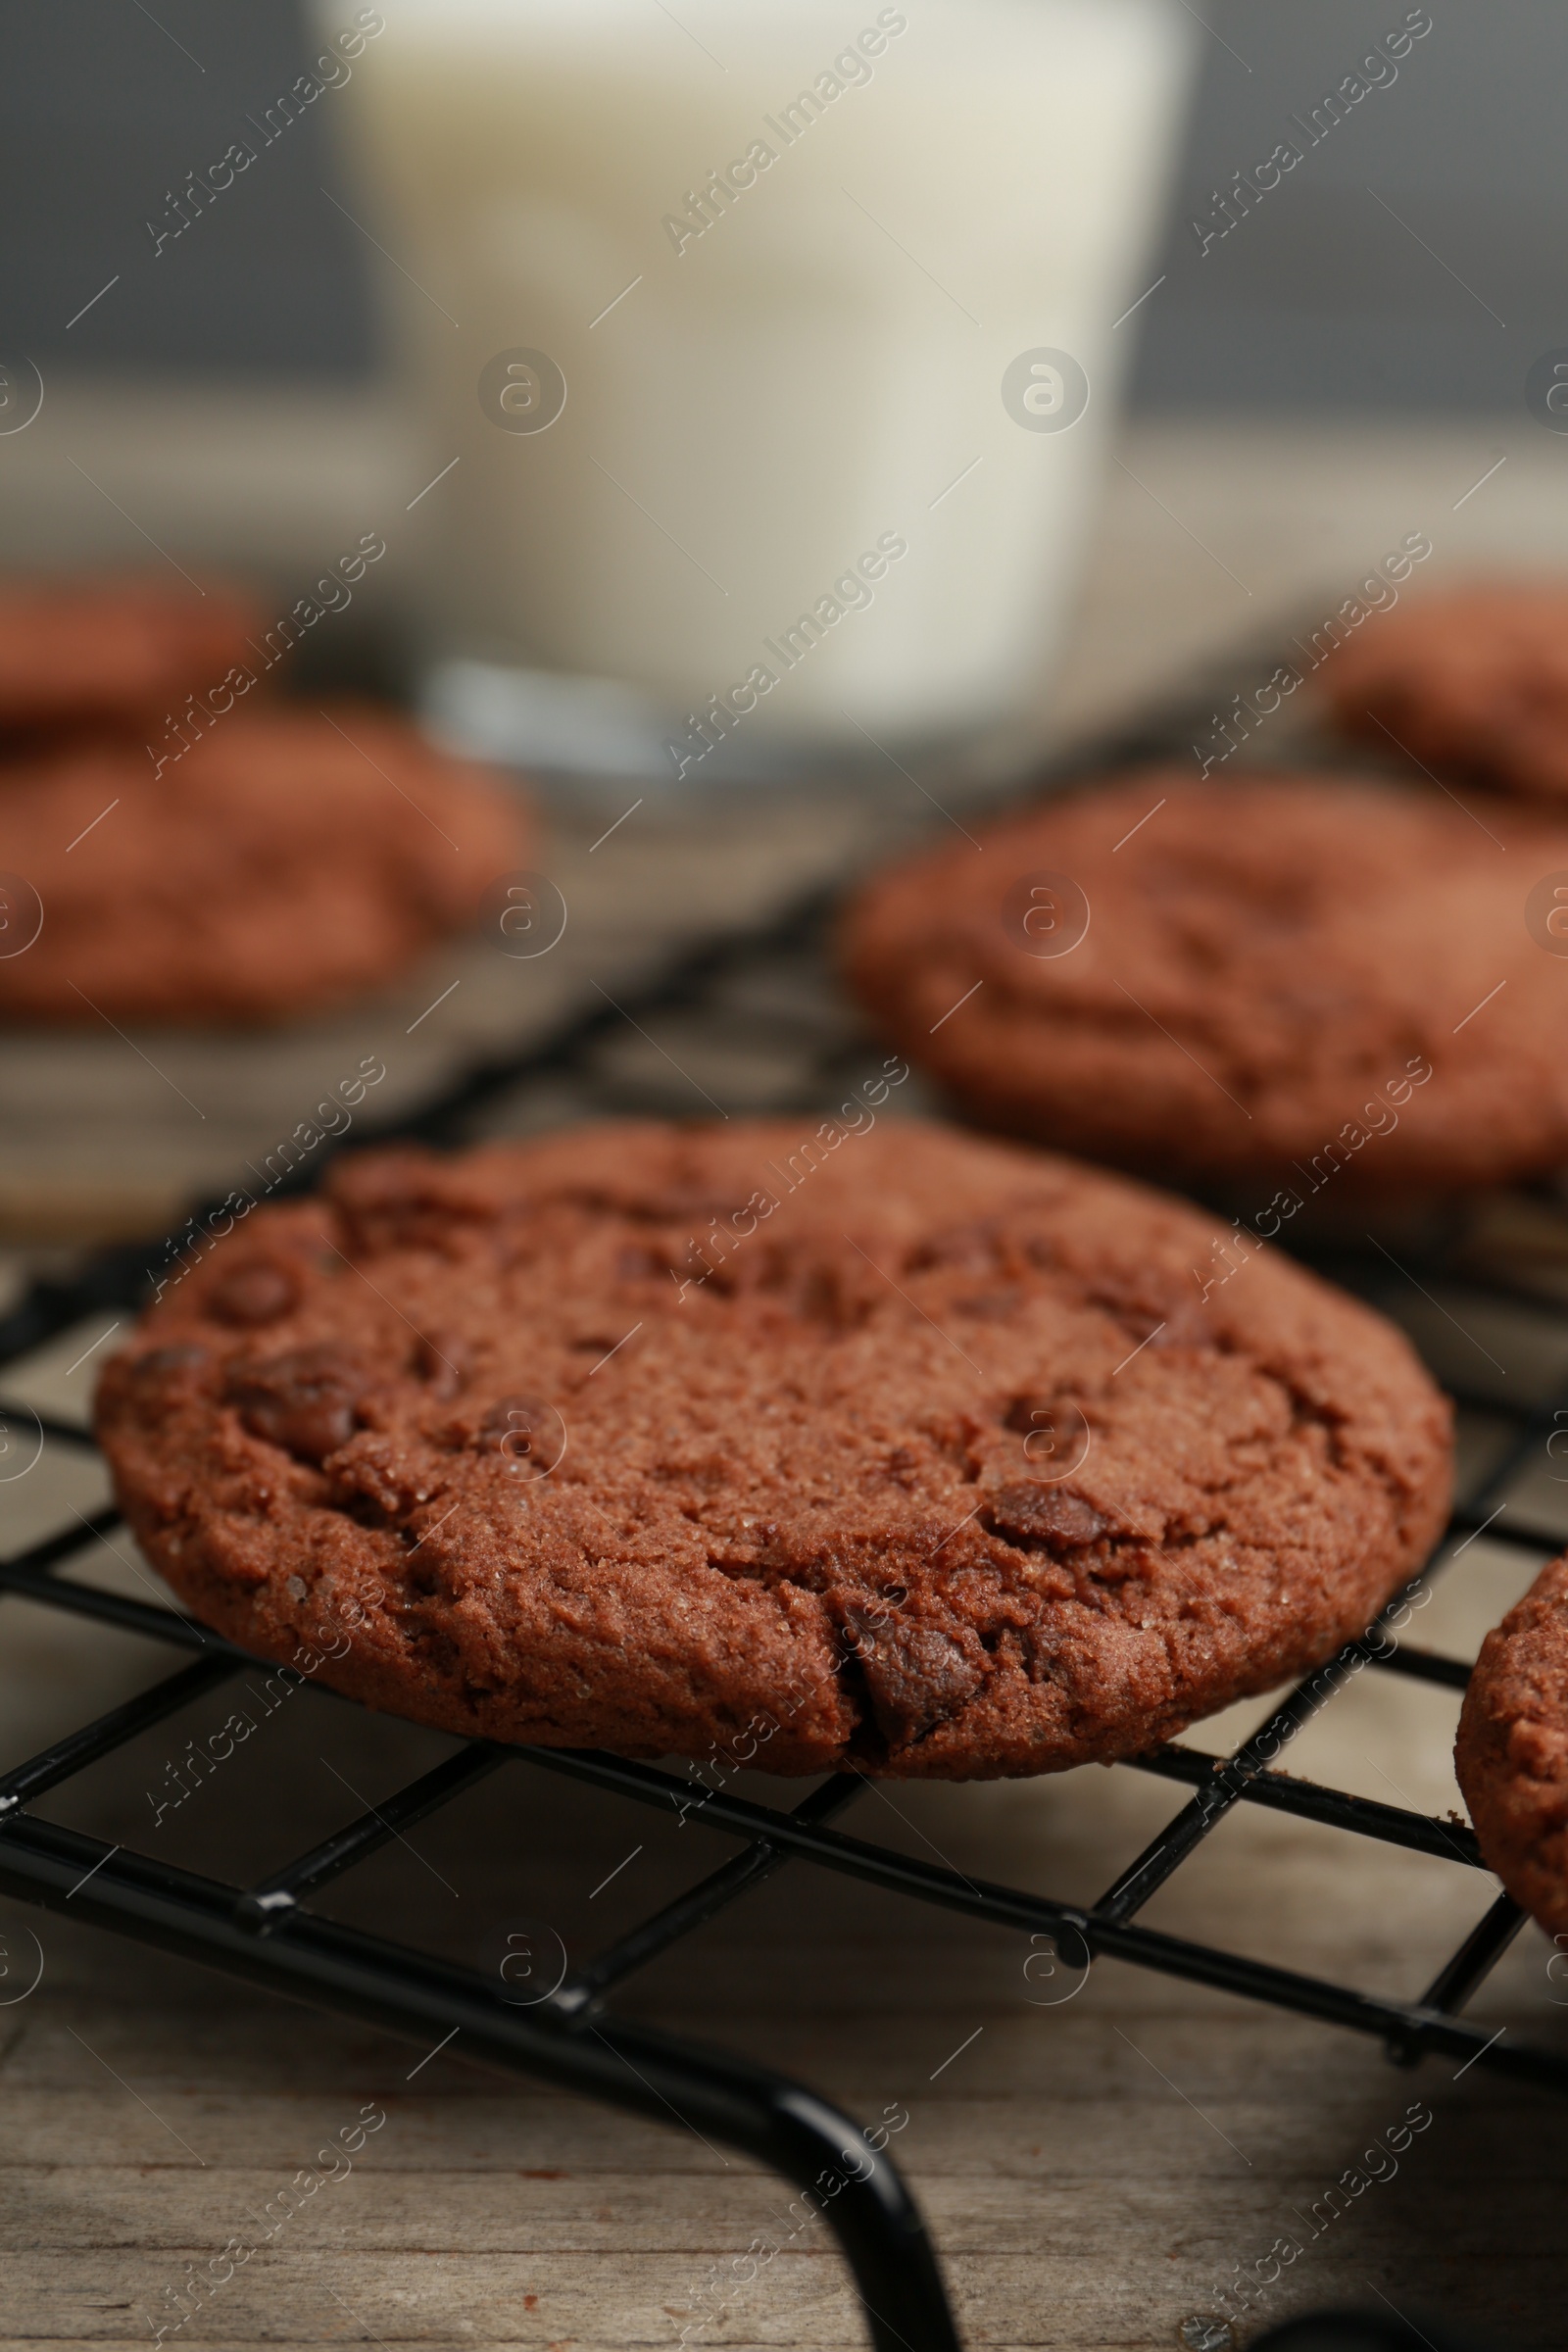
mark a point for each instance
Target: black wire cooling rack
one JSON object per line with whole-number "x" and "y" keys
{"x": 773, "y": 986}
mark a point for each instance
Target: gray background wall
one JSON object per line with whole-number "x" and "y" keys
{"x": 103, "y": 108}
{"x": 1322, "y": 301}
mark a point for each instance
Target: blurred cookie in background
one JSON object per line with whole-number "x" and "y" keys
{"x": 1472, "y": 687}
{"x": 1319, "y": 985}
{"x": 93, "y": 654}
{"x": 289, "y": 860}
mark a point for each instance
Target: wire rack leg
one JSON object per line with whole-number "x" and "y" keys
{"x": 837, "y": 2174}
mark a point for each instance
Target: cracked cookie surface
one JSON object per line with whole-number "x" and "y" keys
{"x": 1312, "y": 984}
{"x": 865, "y": 1444}
{"x": 1511, "y": 1754}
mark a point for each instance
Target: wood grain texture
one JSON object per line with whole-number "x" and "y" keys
{"x": 1091, "y": 2171}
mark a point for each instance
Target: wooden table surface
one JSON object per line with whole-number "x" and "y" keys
{"x": 1091, "y": 2171}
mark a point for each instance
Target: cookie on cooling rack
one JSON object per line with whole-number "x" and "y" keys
{"x": 864, "y": 1444}
{"x": 1292, "y": 985}
{"x": 1511, "y": 1755}
{"x": 94, "y": 653}
{"x": 291, "y": 858}
{"x": 1473, "y": 687}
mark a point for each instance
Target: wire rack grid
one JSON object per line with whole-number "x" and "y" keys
{"x": 270, "y": 1933}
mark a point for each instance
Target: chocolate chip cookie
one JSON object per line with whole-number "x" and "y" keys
{"x": 1286, "y": 986}
{"x": 94, "y": 653}
{"x": 1511, "y": 1755}
{"x": 1472, "y": 687}
{"x": 290, "y": 859}
{"x": 852, "y": 1443}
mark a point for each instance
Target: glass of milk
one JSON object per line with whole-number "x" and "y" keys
{"x": 764, "y": 352}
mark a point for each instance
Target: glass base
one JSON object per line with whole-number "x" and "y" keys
{"x": 586, "y": 728}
